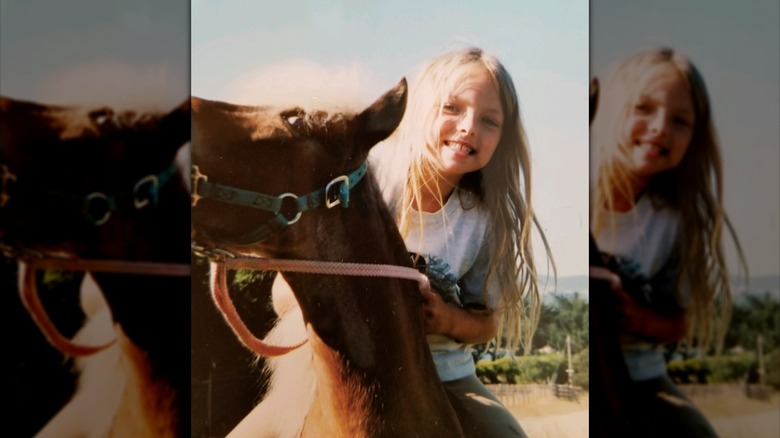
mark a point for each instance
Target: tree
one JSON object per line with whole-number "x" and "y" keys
{"x": 568, "y": 316}
{"x": 758, "y": 315}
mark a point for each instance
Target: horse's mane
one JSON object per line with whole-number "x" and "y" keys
{"x": 305, "y": 84}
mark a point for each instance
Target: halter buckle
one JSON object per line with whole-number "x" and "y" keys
{"x": 153, "y": 191}
{"x": 93, "y": 210}
{"x": 5, "y": 177}
{"x": 214, "y": 254}
{"x": 196, "y": 176}
{"x": 343, "y": 193}
{"x": 297, "y": 216}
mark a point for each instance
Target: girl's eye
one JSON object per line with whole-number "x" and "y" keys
{"x": 682, "y": 121}
{"x": 448, "y": 107}
{"x": 491, "y": 122}
{"x": 642, "y": 108}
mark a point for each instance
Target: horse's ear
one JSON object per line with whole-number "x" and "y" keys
{"x": 5, "y": 103}
{"x": 175, "y": 126}
{"x": 380, "y": 119}
{"x": 594, "y": 96}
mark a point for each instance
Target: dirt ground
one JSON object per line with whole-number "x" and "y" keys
{"x": 732, "y": 417}
{"x": 553, "y": 418}
{"x": 741, "y": 417}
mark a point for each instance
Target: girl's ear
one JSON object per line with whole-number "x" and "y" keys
{"x": 594, "y": 97}
{"x": 380, "y": 119}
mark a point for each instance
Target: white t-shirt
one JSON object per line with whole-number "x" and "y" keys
{"x": 645, "y": 240}
{"x": 454, "y": 244}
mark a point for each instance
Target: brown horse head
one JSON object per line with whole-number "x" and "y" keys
{"x": 271, "y": 152}
{"x": 81, "y": 179}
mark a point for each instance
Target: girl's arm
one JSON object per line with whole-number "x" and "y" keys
{"x": 639, "y": 320}
{"x": 464, "y": 325}
{"x": 646, "y": 323}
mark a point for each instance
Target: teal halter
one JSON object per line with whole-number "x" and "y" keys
{"x": 336, "y": 192}
{"x": 95, "y": 207}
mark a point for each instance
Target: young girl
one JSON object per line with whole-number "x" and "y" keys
{"x": 657, "y": 215}
{"x": 452, "y": 177}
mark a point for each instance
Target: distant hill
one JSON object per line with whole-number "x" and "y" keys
{"x": 567, "y": 286}
{"x": 758, "y": 285}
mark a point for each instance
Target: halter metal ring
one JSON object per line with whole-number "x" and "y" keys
{"x": 88, "y": 203}
{"x": 154, "y": 184}
{"x": 289, "y": 195}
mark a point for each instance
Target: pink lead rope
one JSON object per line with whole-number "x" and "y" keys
{"x": 224, "y": 302}
{"x": 32, "y": 302}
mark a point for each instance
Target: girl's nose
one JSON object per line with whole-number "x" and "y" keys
{"x": 658, "y": 123}
{"x": 466, "y": 123}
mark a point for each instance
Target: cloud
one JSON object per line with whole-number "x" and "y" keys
{"x": 117, "y": 83}
{"x": 305, "y": 83}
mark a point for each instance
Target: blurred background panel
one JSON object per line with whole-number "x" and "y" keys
{"x": 84, "y": 54}
{"x": 736, "y": 47}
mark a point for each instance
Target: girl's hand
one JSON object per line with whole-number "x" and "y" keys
{"x": 437, "y": 314}
{"x": 463, "y": 325}
{"x": 632, "y": 316}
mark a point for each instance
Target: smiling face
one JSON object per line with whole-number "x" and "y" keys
{"x": 660, "y": 123}
{"x": 468, "y": 125}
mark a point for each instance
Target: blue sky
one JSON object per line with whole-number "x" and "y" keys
{"x": 239, "y": 49}
{"x": 736, "y": 46}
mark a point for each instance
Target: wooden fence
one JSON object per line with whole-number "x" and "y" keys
{"x": 699, "y": 392}
{"x": 517, "y": 395}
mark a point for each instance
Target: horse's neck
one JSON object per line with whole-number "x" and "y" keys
{"x": 148, "y": 308}
{"x": 147, "y": 406}
{"x": 154, "y": 233}
{"x": 342, "y": 401}
{"x": 169, "y": 239}
{"x": 370, "y": 340}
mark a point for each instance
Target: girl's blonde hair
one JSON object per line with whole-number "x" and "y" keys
{"x": 412, "y": 164}
{"x": 694, "y": 188}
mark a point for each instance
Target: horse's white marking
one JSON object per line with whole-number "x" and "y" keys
{"x": 282, "y": 412}
{"x": 294, "y": 378}
{"x": 114, "y": 389}
{"x": 102, "y": 380}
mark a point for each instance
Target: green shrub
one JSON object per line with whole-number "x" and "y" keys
{"x": 581, "y": 364}
{"x": 524, "y": 369}
{"x": 694, "y": 370}
{"x": 731, "y": 368}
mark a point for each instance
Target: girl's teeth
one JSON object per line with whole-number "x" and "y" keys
{"x": 460, "y": 148}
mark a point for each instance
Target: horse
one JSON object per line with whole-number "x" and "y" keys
{"x": 99, "y": 190}
{"x": 290, "y": 186}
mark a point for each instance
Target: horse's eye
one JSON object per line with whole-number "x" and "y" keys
{"x": 294, "y": 117}
{"x": 101, "y": 116}
{"x": 294, "y": 121}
